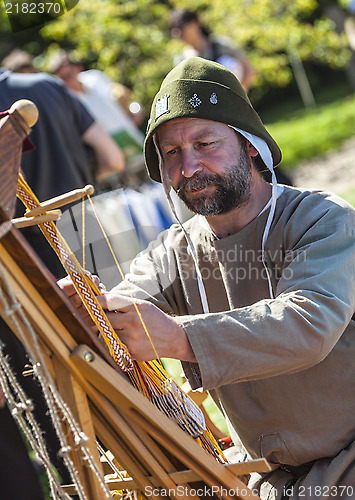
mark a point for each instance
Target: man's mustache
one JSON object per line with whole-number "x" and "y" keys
{"x": 196, "y": 182}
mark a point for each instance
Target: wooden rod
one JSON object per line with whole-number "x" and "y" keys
{"x": 234, "y": 489}
{"x": 27, "y": 109}
{"x": 184, "y": 476}
{"x": 59, "y": 201}
{"x": 139, "y": 448}
{"x": 35, "y": 221}
{"x": 157, "y": 425}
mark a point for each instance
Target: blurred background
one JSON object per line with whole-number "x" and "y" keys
{"x": 301, "y": 50}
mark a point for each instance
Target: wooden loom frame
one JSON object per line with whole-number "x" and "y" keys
{"x": 153, "y": 450}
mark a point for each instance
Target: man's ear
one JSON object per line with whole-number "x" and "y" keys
{"x": 251, "y": 149}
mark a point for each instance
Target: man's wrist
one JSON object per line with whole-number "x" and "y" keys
{"x": 184, "y": 350}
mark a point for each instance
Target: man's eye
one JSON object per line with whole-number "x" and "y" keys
{"x": 206, "y": 144}
{"x": 171, "y": 152}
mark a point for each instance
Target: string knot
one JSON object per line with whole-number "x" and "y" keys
{"x": 36, "y": 367}
{"x": 20, "y": 408}
{"x": 80, "y": 439}
{"x": 10, "y": 311}
{"x": 64, "y": 451}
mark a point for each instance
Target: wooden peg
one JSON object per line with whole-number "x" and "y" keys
{"x": 50, "y": 216}
{"x": 27, "y": 109}
{"x": 59, "y": 201}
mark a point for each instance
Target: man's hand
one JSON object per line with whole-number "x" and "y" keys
{"x": 166, "y": 333}
{"x": 68, "y": 288}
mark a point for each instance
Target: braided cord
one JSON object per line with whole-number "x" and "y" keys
{"x": 81, "y": 281}
{"x": 149, "y": 378}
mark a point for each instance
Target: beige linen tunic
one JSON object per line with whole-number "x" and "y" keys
{"x": 282, "y": 370}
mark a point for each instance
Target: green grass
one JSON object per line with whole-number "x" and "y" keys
{"x": 349, "y": 196}
{"x": 307, "y": 133}
{"x": 215, "y": 415}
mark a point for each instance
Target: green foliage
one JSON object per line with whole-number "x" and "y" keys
{"x": 274, "y": 30}
{"x": 349, "y": 196}
{"x": 306, "y": 134}
{"x": 131, "y": 42}
{"x": 126, "y": 40}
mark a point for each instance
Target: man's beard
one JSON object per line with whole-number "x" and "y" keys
{"x": 231, "y": 191}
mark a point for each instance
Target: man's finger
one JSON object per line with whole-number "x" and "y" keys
{"x": 67, "y": 286}
{"x": 114, "y": 302}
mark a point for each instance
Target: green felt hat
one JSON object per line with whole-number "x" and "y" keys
{"x": 198, "y": 88}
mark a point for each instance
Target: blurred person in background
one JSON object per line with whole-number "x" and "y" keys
{"x": 19, "y": 61}
{"x": 99, "y": 94}
{"x": 185, "y": 25}
{"x": 63, "y": 136}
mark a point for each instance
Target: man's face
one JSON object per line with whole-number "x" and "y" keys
{"x": 69, "y": 74}
{"x": 207, "y": 163}
{"x": 191, "y": 33}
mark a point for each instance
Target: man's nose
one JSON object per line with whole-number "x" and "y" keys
{"x": 190, "y": 164}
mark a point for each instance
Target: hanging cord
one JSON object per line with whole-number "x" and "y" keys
{"x": 167, "y": 188}
{"x": 267, "y": 230}
{"x": 13, "y": 309}
{"x": 83, "y": 229}
{"x": 123, "y": 278}
{"x": 265, "y": 154}
{"x": 21, "y": 409}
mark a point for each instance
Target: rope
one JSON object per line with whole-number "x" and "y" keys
{"x": 20, "y": 324}
{"x": 21, "y": 409}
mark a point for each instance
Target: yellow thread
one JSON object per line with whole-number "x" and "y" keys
{"x": 124, "y": 279}
{"x": 89, "y": 283}
{"x": 83, "y": 227}
{"x": 152, "y": 375}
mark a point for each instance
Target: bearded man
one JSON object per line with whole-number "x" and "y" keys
{"x": 255, "y": 293}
